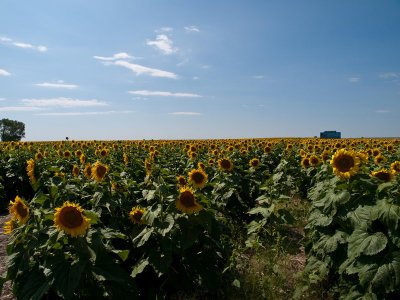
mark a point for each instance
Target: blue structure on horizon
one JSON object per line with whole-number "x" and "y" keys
{"x": 330, "y": 134}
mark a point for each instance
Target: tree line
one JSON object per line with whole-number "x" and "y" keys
{"x": 11, "y": 130}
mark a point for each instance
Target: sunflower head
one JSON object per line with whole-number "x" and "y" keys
{"x": 82, "y": 158}
{"x": 136, "y": 214}
{"x": 314, "y": 160}
{"x": 19, "y": 210}
{"x": 9, "y": 226}
{"x": 75, "y": 170}
{"x": 30, "y": 170}
{"x": 225, "y": 164}
{"x": 181, "y": 180}
{"x": 201, "y": 165}
{"x": 70, "y": 219}
{"x": 99, "y": 171}
{"x": 39, "y": 156}
{"x": 198, "y": 178}
{"x": 186, "y": 201}
{"x": 305, "y": 162}
{"x": 254, "y": 163}
{"x": 384, "y": 175}
{"x": 395, "y": 167}
{"x": 345, "y": 163}
{"x": 379, "y": 159}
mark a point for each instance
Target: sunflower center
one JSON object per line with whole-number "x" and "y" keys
{"x": 383, "y": 176}
{"x": 225, "y": 164}
{"x": 137, "y": 215}
{"x": 197, "y": 177}
{"x": 187, "y": 199}
{"x": 254, "y": 163}
{"x": 101, "y": 171}
{"x": 21, "y": 209}
{"x": 70, "y": 217}
{"x": 344, "y": 163}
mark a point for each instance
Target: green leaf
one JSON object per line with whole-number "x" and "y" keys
{"x": 389, "y": 213}
{"x": 35, "y": 285}
{"x": 236, "y": 283}
{"x": 123, "y": 254}
{"x": 167, "y": 225}
{"x": 264, "y": 211}
{"x": 63, "y": 275}
{"x": 142, "y": 238}
{"x": 387, "y": 276}
{"x": 94, "y": 217}
{"x": 362, "y": 242}
{"x": 328, "y": 244}
{"x": 139, "y": 267}
{"x": 106, "y": 267}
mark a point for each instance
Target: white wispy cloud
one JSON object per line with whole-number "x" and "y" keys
{"x": 139, "y": 69}
{"x": 58, "y": 85}
{"x": 163, "y": 94}
{"x": 163, "y": 43}
{"x": 19, "y": 108}
{"x": 354, "y": 79}
{"x": 164, "y": 29}
{"x": 2, "y": 99}
{"x": 185, "y": 113}
{"x": 191, "y": 29}
{"x": 382, "y": 111}
{"x": 258, "y": 76}
{"x": 389, "y": 75}
{"x": 62, "y": 102}
{"x": 116, "y": 56}
{"x": 89, "y": 113}
{"x": 4, "y": 73}
{"x": 9, "y": 41}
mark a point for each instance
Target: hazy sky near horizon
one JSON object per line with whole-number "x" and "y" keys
{"x": 179, "y": 69}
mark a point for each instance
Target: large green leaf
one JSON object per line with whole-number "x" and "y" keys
{"x": 387, "y": 276}
{"x": 63, "y": 275}
{"x": 139, "y": 267}
{"x": 389, "y": 213}
{"x": 362, "y": 242}
{"x": 328, "y": 244}
{"x": 35, "y": 285}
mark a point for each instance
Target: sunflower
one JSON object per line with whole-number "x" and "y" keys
{"x": 198, "y": 178}
{"x": 75, "y": 170}
{"x": 211, "y": 162}
{"x": 136, "y": 214}
{"x": 201, "y": 165}
{"x": 384, "y": 175}
{"x": 126, "y": 159}
{"x": 19, "y": 209}
{"x": 30, "y": 169}
{"x": 148, "y": 164}
{"x": 82, "y": 158}
{"x": 225, "y": 164}
{"x": 70, "y": 219}
{"x": 314, "y": 160}
{"x": 345, "y": 163}
{"x": 67, "y": 154}
{"x": 325, "y": 155}
{"x": 379, "y": 159}
{"x": 186, "y": 201}
{"x": 395, "y": 167}
{"x": 9, "y": 226}
{"x": 88, "y": 171}
{"x": 181, "y": 180}
{"x": 305, "y": 162}
{"x": 254, "y": 163}
{"x": 38, "y": 155}
{"x": 99, "y": 171}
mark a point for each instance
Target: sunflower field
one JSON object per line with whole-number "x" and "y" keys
{"x": 177, "y": 219}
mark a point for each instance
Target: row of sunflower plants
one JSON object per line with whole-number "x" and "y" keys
{"x": 353, "y": 227}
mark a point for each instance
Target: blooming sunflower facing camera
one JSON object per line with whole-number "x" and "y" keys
{"x": 70, "y": 219}
{"x": 198, "y": 178}
{"x": 99, "y": 171}
{"x": 186, "y": 201}
{"x": 345, "y": 163}
{"x": 136, "y": 214}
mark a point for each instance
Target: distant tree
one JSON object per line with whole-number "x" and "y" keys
{"x": 11, "y": 130}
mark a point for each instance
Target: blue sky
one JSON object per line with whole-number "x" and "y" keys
{"x": 182, "y": 69}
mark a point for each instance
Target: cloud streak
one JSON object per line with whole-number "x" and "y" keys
{"x": 354, "y": 79}
{"x": 185, "y": 113}
{"x": 116, "y": 56}
{"x": 11, "y": 42}
{"x": 58, "y": 85}
{"x": 389, "y": 75}
{"x": 62, "y": 102}
{"x": 139, "y": 70}
{"x": 191, "y": 29}
{"x": 163, "y": 94}
{"x": 89, "y": 113}
{"x": 4, "y": 73}
{"x": 163, "y": 43}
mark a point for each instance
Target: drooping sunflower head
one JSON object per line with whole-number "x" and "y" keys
{"x": 30, "y": 170}
{"x": 19, "y": 210}
{"x": 70, "y": 219}
{"x": 225, "y": 164}
{"x": 254, "y": 163}
{"x": 39, "y": 156}
{"x": 186, "y": 201}
{"x": 198, "y": 178}
{"x": 88, "y": 171}
{"x": 395, "y": 167}
{"x": 181, "y": 180}
{"x": 384, "y": 175}
{"x": 314, "y": 160}
{"x": 82, "y": 158}
{"x": 136, "y": 214}
{"x": 305, "y": 162}
{"x": 99, "y": 171}
{"x": 75, "y": 170}
{"x": 9, "y": 226}
{"x": 126, "y": 159}
{"x": 345, "y": 163}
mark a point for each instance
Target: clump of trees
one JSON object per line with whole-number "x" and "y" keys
{"x": 11, "y": 130}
